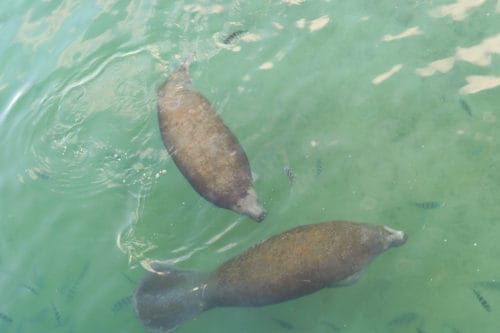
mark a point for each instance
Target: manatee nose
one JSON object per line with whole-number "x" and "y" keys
{"x": 261, "y": 217}
{"x": 395, "y": 237}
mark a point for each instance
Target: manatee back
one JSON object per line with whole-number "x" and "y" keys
{"x": 297, "y": 262}
{"x": 206, "y": 152}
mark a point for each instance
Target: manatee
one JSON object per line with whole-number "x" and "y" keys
{"x": 206, "y": 152}
{"x": 293, "y": 264}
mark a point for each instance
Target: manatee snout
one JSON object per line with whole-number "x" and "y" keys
{"x": 394, "y": 237}
{"x": 250, "y": 206}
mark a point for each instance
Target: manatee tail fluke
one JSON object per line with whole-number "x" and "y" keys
{"x": 165, "y": 299}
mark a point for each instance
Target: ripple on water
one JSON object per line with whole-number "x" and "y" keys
{"x": 97, "y": 135}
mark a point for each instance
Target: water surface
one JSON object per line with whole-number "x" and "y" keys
{"x": 347, "y": 110}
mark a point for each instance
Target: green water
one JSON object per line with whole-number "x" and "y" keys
{"x": 88, "y": 192}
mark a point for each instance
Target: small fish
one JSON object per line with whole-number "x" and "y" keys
{"x": 403, "y": 320}
{"x": 330, "y": 325}
{"x": 465, "y": 106}
{"x": 5, "y": 318}
{"x": 232, "y": 36}
{"x": 290, "y": 174}
{"x": 430, "y": 204}
{"x": 284, "y": 324}
{"x": 319, "y": 166}
{"x": 72, "y": 290}
{"x": 492, "y": 285}
{"x": 41, "y": 175}
{"x": 481, "y": 300}
{"x": 57, "y": 314}
{"x": 30, "y": 288}
{"x": 419, "y": 330}
{"x": 122, "y": 303}
{"x": 129, "y": 279}
{"x": 452, "y": 328}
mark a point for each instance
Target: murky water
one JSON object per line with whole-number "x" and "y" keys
{"x": 380, "y": 112}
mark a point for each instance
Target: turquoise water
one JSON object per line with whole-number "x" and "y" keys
{"x": 385, "y": 113}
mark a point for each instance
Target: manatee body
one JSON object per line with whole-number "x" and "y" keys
{"x": 206, "y": 152}
{"x": 295, "y": 263}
